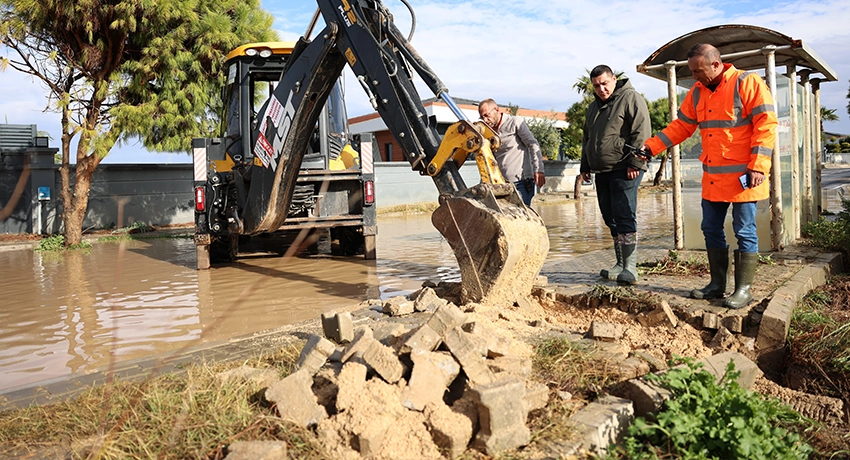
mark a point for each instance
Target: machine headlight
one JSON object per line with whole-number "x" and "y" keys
{"x": 265, "y": 53}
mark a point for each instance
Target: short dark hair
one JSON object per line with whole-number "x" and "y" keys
{"x": 706, "y": 51}
{"x": 601, "y": 69}
{"x": 488, "y": 101}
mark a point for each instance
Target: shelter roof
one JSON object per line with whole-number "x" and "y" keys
{"x": 733, "y": 41}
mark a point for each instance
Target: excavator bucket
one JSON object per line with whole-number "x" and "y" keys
{"x": 500, "y": 244}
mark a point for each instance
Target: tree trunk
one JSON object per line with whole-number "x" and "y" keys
{"x": 660, "y": 173}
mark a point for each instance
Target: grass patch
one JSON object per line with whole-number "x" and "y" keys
{"x": 707, "y": 419}
{"x": 412, "y": 208}
{"x": 673, "y": 264}
{"x": 566, "y": 366}
{"x": 626, "y": 298}
{"x": 832, "y": 234}
{"x": 190, "y": 415}
{"x": 56, "y": 243}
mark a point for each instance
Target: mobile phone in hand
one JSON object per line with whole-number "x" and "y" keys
{"x": 744, "y": 179}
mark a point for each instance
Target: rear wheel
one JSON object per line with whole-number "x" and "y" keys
{"x": 346, "y": 241}
{"x": 224, "y": 249}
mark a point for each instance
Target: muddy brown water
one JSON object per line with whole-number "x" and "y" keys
{"x": 72, "y": 313}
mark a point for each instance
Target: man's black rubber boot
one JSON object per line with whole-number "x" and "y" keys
{"x": 718, "y": 267}
{"x": 611, "y": 273}
{"x": 745, "y": 272}
{"x": 629, "y": 275}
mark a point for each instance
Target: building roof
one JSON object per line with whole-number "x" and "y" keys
{"x": 739, "y": 45}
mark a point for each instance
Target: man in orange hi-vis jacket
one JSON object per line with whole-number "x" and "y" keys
{"x": 735, "y": 114}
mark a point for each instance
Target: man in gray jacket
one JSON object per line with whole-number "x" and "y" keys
{"x": 519, "y": 157}
{"x": 618, "y": 116}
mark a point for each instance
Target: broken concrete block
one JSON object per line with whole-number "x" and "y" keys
{"x": 511, "y": 364}
{"x": 655, "y": 364}
{"x": 388, "y": 333}
{"x": 398, "y": 306}
{"x": 351, "y": 380}
{"x": 384, "y": 361}
{"x": 501, "y": 416}
{"x": 423, "y": 338}
{"x": 710, "y": 321}
{"x": 717, "y": 366}
{"x": 446, "y": 318}
{"x": 293, "y": 396}
{"x": 661, "y": 316}
{"x": 604, "y": 422}
{"x": 735, "y": 323}
{"x": 338, "y": 327}
{"x": 362, "y": 339}
{"x": 723, "y": 339}
{"x": 315, "y": 353}
{"x": 256, "y": 450}
{"x": 450, "y": 430}
{"x": 646, "y": 397}
{"x": 605, "y": 331}
{"x": 493, "y": 344}
{"x": 536, "y": 396}
{"x": 431, "y": 375}
{"x": 632, "y": 368}
{"x": 426, "y": 299}
{"x": 469, "y": 356}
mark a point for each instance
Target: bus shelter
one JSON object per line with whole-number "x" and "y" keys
{"x": 795, "y": 179}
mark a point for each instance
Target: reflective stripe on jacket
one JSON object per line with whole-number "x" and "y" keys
{"x": 737, "y": 123}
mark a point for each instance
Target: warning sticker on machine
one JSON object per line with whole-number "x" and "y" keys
{"x": 263, "y": 150}
{"x": 276, "y": 121}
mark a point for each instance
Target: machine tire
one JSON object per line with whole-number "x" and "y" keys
{"x": 346, "y": 241}
{"x": 224, "y": 250}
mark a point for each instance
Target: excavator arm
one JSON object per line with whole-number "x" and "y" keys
{"x": 500, "y": 243}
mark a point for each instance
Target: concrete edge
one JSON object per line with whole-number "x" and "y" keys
{"x": 776, "y": 320}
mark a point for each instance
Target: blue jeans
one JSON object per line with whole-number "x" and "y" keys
{"x": 525, "y": 187}
{"x": 743, "y": 222}
{"x": 617, "y": 197}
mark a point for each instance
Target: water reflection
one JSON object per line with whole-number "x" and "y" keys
{"x": 80, "y": 311}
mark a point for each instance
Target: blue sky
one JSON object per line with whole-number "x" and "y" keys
{"x": 531, "y": 53}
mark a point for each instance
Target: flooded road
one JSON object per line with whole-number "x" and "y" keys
{"x": 80, "y": 311}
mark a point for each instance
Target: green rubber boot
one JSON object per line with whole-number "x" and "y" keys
{"x": 745, "y": 272}
{"x": 628, "y": 247}
{"x": 611, "y": 273}
{"x": 718, "y": 267}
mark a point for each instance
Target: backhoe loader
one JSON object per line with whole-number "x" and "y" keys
{"x": 500, "y": 244}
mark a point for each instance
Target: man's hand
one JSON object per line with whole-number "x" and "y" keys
{"x": 585, "y": 177}
{"x": 632, "y": 173}
{"x": 539, "y": 179}
{"x": 756, "y": 178}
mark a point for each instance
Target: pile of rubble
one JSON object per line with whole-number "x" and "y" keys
{"x": 428, "y": 392}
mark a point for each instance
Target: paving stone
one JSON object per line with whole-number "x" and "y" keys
{"x": 426, "y": 299}
{"x": 388, "y": 333}
{"x": 710, "y": 320}
{"x": 315, "y": 353}
{"x": 362, "y": 339}
{"x": 536, "y": 395}
{"x": 646, "y": 397}
{"x": 446, "y": 318}
{"x": 511, "y": 364}
{"x": 398, "y": 306}
{"x": 422, "y": 338}
{"x": 293, "y": 396}
{"x": 384, "y": 361}
{"x": 632, "y": 367}
{"x": 431, "y": 375}
{"x": 493, "y": 344}
{"x": 338, "y": 327}
{"x": 608, "y": 332}
{"x": 256, "y": 450}
{"x": 655, "y": 364}
{"x": 469, "y": 356}
{"x": 604, "y": 422}
{"x": 716, "y": 364}
{"x": 501, "y": 416}
{"x": 722, "y": 340}
{"x": 734, "y": 323}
